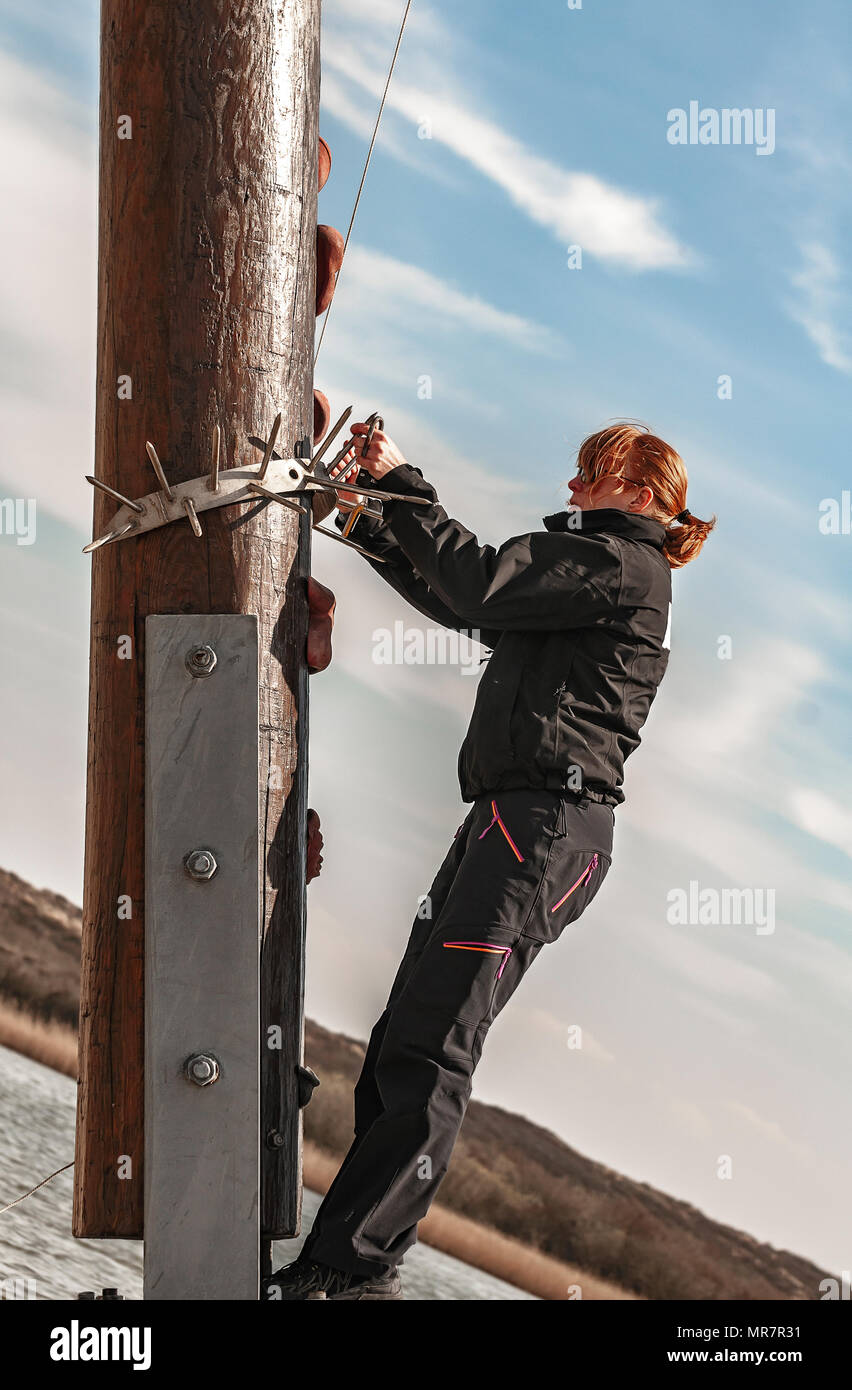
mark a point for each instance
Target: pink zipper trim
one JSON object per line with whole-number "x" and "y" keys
{"x": 498, "y": 820}
{"x": 504, "y": 951}
{"x": 584, "y": 878}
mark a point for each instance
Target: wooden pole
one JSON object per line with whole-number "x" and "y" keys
{"x": 208, "y": 184}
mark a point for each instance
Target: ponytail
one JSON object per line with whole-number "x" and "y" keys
{"x": 627, "y": 450}
{"x": 685, "y": 537}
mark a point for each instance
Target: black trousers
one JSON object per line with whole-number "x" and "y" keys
{"x": 520, "y": 869}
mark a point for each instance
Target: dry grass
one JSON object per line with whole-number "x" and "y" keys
{"x": 507, "y": 1259}
{"x": 482, "y": 1247}
{"x": 53, "y": 1044}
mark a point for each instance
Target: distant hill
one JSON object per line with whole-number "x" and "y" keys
{"x": 507, "y": 1173}
{"x": 39, "y": 950}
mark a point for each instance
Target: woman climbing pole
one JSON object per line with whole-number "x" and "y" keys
{"x": 577, "y": 618}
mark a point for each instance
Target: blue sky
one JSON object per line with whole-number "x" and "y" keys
{"x": 548, "y": 128}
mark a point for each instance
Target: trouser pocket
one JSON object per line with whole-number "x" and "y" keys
{"x": 579, "y": 861}
{"x": 457, "y": 976}
{"x": 574, "y": 881}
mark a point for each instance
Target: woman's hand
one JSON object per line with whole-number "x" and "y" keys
{"x": 381, "y": 457}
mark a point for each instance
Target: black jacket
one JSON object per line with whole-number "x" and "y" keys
{"x": 577, "y": 616}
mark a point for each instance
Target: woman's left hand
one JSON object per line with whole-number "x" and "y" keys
{"x": 382, "y": 456}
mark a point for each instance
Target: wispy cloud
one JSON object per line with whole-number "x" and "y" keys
{"x": 823, "y": 298}
{"x": 403, "y": 287}
{"x": 769, "y": 1130}
{"x": 576, "y": 207}
{"x": 47, "y": 323}
{"x": 345, "y": 103}
{"x": 823, "y": 817}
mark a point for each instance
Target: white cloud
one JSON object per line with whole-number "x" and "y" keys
{"x": 619, "y": 227}
{"x": 770, "y": 1130}
{"x": 47, "y": 307}
{"x": 563, "y": 1035}
{"x": 821, "y": 299}
{"x": 753, "y": 695}
{"x": 823, "y": 817}
{"x": 689, "y": 1117}
{"x": 706, "y": 968}
{"x": 403, "y": 287}
{"x": 345, "y": 104}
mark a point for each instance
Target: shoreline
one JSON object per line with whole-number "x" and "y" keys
{"x": 54, "y": 1045}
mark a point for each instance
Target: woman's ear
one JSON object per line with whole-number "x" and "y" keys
{"x": 644, "y": 500}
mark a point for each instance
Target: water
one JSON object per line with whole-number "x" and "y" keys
{"x": 36, "y": 1244}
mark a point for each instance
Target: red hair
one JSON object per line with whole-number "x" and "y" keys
{"x": 631, "y": 452}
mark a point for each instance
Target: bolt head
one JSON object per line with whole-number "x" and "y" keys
{"x": 202, "y": 1069}
{"x": 201, "y": 660}
{"x": 200, "y": 864}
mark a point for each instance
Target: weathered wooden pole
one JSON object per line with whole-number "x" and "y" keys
{"x": 208, "y": 186}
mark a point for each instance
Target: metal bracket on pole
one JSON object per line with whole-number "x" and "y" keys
{"x": 269, "y": 479}
{"x": 202, "y": 958}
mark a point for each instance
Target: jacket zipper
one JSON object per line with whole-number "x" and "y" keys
{"x": 584, "y": 878}
{"x": 504, "y": 951}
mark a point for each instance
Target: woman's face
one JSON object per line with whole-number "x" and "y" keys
{"x": 622, "y": 494}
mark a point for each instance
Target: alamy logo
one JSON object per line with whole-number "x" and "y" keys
{"x": 707, "y": 125}
{"x": 722, "y": 907}
{"x": 76, "y": 1343}
{"x": 831, "y": 1289}
{"x": 434, "y": 646}
{"x": 836, "y": 515}
{"x": 18, "y": 518}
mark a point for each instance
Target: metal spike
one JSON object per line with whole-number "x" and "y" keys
{"x": 353, "y": 545}
{"x": 331, "y": 435}
{"x": 110, "y": 536}
{"x": 96, "y": 544}
{"x": 273, "y": 497}
{"x": 383, "y": 496}
{"x": 189, "y": 508}
{"x": 111, "y": 492}
{"x": 375, "y": 422}
{"x": 338, "y": 457}
{"x": 158, "y": 469}
{"x": 261, "y": 445}
{"x": 270, "y": 444}
{"x": 213, "y": 483}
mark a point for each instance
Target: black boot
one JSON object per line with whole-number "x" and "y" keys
{"x": 307, "y": 1279}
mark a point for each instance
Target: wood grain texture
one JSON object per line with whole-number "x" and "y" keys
{"x": 206, "y": 287}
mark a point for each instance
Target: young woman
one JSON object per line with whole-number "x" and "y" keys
{"x": 577, "y": 617}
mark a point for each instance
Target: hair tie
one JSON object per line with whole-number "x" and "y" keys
{"x": 684, "y": 516}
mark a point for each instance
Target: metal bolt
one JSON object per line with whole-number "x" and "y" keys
{"x": 201, "y": 660}
{"x": 200, "y": 864}
{"x": 275, "y": 1139}
{"x": 202, "y": 1069}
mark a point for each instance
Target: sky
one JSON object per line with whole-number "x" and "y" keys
{"x": 712, "y": 300}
